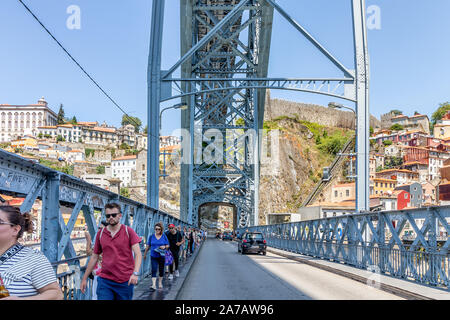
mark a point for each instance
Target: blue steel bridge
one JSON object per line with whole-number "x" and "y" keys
{"x": 225, "y": 46}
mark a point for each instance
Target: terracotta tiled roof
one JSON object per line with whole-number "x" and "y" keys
{"x": 110, "y": 130}
{"x": 47, "y": 127}
{"x": 399, "y": 117}
{"x": 412, "y": 163}
{"x": 125, "y": 158}
{"x": 384, "y": 196}
{"x": 170, "y": 148}
{"x": 397, "y": 170}
{"x": 75, "y": 151}
{"x": 85, "y": 123}
{"x": 382, "y": 179}
{"x": 345, "y": 204}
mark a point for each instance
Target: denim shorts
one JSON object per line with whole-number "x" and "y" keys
{"x": 111, "y": 290}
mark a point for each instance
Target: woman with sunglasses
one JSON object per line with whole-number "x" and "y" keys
{"x": 26, "y": 273}
{"x": 158, "y": 243}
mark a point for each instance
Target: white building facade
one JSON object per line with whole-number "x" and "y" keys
{"x": 20, "y": 120}
{"x": 122, "y": 168}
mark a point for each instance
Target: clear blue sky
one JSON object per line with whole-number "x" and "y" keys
{"x": 410, "y": 61}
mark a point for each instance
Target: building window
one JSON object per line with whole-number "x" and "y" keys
{"x": 335, "y": 194}
{"x": 347, "y": 193}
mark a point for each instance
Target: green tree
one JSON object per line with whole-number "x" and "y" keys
{"x": 61, "y": 114}
{"x": 240, "y": 122}
{"x": 100, "y": 169}
{"x": 125, "y": 192}
{"x": 74, "y": 120}
{"x": 88, "y": 152}
{"x": 60, "y": 138}
{"x": 387, "y": 143}
{"x": 332, "y": 144}
{"x": 135, "y": 121}
{"x": 397, "y": 127}
{"x": 145, "y": 131}
{"x": 440, "y": 112}
{"x": 40, "y": 135}
{"x": 124, "y": 146}
{"x": 397, "y": 112}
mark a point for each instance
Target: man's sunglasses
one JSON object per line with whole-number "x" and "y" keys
{"x": 4, "y": 222}
{"x": 111, "y": 215}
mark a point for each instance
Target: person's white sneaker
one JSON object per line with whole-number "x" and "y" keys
{"x": 170, "y": 276}
{"x": 177, "y": 274}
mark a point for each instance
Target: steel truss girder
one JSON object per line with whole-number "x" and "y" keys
{"x": 22, "y": 178}
{"x": 338, "y": 88}
{"x": 213, "y": 56}
{"x": 219, "y": 109}
{"x": 371, "y": 241}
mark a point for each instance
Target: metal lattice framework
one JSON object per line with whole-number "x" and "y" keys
{"x": 225, "y": 47}
{"x": 23, "y": 178}
{"x": 374, "y": 241}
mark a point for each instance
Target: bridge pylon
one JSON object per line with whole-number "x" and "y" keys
{"x": 223, "y": 68}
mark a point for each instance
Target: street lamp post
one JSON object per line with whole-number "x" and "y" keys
{"x": 334, "y": 105}
{"x": 359, "y": 179}
{"x": 180, "y": 106}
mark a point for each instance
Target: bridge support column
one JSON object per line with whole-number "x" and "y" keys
{"x": 154, "y": 95}
{"x": 50, "y": 218}
{"x": 362, "y": 106}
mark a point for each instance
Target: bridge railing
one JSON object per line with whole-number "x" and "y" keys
{"x": 53, "y": 190}
{"x": 374, "y": 241}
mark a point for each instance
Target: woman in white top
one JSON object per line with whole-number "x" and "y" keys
{"x": 26, "y": 273}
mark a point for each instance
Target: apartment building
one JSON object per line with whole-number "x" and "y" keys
{"x": 122, "y": 169}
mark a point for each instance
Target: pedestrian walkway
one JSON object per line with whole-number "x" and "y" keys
{"x": 404, "y": 288}
{"x": 170, "y": 287}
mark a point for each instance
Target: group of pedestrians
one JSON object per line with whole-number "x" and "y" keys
{"x": 114, "y": 264}
{"x": 168, "y": 248}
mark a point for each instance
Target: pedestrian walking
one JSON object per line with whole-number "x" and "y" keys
{"x": 186, "y": 243}
{"x": 175, "y": 241}
{"x": 158, "y": 244}
{"x": 182, "y": 243}
{"x": 120, "y": 270}
{"x": 25, "y": 273}
{"x": 191, "y": 241}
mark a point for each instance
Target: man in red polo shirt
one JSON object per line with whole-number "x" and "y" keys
{"x": 120, "y": 271}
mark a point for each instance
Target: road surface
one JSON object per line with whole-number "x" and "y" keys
{"x": 221, "y": 273}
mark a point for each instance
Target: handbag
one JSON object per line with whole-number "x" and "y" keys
{"x": 169, "y": 258}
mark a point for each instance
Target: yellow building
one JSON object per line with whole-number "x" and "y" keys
{"x": 383, "y": 186}
{"x": 29, "y": 142}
